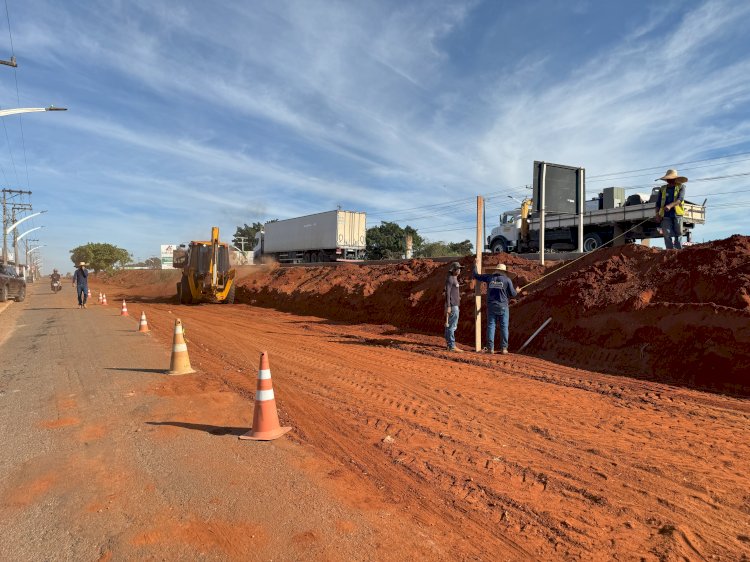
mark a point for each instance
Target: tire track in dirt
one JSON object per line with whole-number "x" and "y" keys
{"x": 560, "y": 461}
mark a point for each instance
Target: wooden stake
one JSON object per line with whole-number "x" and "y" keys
{"x": 477, "y": 284}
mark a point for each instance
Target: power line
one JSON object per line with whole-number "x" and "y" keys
{"x": 18, "y": 97}
{"x": 663, "y": 165}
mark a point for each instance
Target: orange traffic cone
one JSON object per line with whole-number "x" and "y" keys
{"x": 124, "y": 311}
{"x": 89, "y": 295}
{"x": 104, "y": 299}
{"x": 143, "y": 325}
{"x": 265, "y": 417}
{"x": 180, "y": 362}
{"x": 100, "y": 297}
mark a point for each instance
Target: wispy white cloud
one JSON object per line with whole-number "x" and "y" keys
{"x": 282, "y": 108}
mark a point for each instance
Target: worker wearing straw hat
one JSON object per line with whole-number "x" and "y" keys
{"x": 669, "y": 208}
{"x": 81, "y": 281}
{"x": 499, "y": 291}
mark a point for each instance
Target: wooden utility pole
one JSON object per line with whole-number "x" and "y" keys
{"x": 477, "y": 284}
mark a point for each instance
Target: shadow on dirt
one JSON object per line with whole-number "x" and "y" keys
{"x": 136, "y": 370}
{"x": 211, "y": 429}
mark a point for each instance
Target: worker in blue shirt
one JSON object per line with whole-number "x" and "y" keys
{"x": 499, "y": 291}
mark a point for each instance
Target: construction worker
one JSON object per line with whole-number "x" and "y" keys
{"x": 499, "y": 291}
{"x": 669, "y": 208}
{"x": 81, "y": 281}
{"x": 452, "y": 302}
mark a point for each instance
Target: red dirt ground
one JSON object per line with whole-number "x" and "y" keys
{"x": 513, "y": 455}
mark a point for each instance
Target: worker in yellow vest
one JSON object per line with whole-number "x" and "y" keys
{"x": 669, "y": 208}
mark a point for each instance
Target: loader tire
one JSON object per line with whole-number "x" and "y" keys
{"x": 230, "y": 295}
{"x": 185, "y": 296}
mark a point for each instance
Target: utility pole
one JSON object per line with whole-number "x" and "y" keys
{"x": 17, "y": 207}
{"x": 477, "y": 284}
{"x": 6, "y": 219}
{"x": 31, "y": 268}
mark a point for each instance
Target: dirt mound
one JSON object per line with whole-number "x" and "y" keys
{"x": 670, "y": 316}
{"x": 673, "y": 316}
{"x": 407, "y": 295}
{"x": 148, "y": 284}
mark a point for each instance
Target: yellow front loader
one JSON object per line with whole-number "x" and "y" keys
{"x": 206, "y": 273}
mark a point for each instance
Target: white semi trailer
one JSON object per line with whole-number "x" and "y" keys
{"x": 605, "y": 218}
{"x": 329, "y": 236}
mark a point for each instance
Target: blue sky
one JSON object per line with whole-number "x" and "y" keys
{"x": 183, "y": 115}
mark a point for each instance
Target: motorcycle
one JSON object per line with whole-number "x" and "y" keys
{"x": 56, "y": 286}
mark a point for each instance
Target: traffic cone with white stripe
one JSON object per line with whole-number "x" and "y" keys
{"x": 124, "y": 311}
{"x": 180, "y": 362}
{"x": 100, "y": 297}
{"x": 89, "y": 295}
{"x": 265, "y": 417}
{"x": 104, "y": 299}
{"x": 143, "y": 325}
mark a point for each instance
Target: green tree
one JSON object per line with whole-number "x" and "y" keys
{"x": 153, "y": 263}
{"x": 388, "y": 241}
{"x": 248, "y": 231}
{"x": 464, "y": 248}
{"x": 100, "y": 256}
{"x": 440, "y": 249}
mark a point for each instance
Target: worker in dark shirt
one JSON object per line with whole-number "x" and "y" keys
{"x": 669, "y": 208}
{"x": 452, "y": 302}
{"x": 81, "y": 281}
{"x": 499, "y": 291}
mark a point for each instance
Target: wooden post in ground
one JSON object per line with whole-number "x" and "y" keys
{"x": 477, "y": 284}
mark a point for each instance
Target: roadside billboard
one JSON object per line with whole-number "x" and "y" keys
{"x": 166, "y": 255}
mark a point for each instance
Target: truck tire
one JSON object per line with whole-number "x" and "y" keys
{"x": 230, "y": 295}
{"x": 499, "y": 245}
{"x": 591, "y": 241}
{"x": 21, "y": 295}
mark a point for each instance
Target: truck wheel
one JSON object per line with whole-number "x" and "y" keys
{"x": 230, "y": 295}
{"x": 21, "y": 295}
{"x": 499, "y": 246}
{"x": 591, "y": 241}
{"x": 314, "y": 257}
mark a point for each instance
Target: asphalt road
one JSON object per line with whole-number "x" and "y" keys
{"x": 99, "y": 463}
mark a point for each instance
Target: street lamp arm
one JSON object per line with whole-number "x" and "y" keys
{"x": 12, "y": 226}
{"x": 36, "y": 248}
{"x": 31, "y": 230}
{"x": 17, "y": 110}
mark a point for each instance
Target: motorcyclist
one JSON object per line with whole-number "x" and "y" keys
{"x": 55, "y": 277}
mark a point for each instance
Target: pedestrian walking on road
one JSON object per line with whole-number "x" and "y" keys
{"x": 499, "y": 291}
{"x": 669, "y": 209}
{"x": 81, "y": 282}
{"x": 452, "y": 302}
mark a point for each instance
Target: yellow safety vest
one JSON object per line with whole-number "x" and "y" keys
{"x": 678, "y": 208}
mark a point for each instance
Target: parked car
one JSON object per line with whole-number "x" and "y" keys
{"x": 11, "y": 285}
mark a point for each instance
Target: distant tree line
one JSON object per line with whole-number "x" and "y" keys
{"x": 388, "y": 241}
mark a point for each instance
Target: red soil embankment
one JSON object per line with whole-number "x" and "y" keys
{"x": 671, "y": 316}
